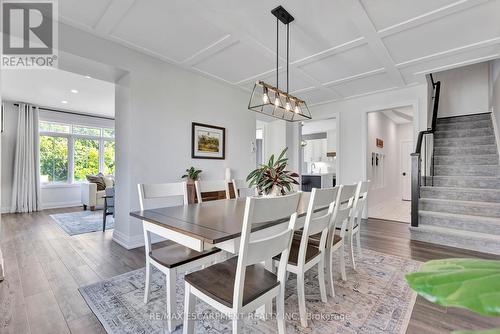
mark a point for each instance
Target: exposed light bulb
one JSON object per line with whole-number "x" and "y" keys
{"x": 64, "y": 102}
{"x": 277, "y": 101}
{"x": 288, "y": 106}
{"x": 265, "y": 98}
{"x": 297, "y": 109}
{"x": 74, "y": 91}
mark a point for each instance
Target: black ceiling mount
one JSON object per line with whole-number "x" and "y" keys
{"x": 282, "y": 15}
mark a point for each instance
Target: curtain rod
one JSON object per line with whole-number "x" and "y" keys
{"x": 71, "y": 112}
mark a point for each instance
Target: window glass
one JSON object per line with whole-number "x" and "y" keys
{"x": 86, "y": 130}
{"x": 109, "y": 157}
{"x": 109, "y": 133}
{"x": 86, "y": 158}
{"x": 53, "y": 159}
{"x": 53, "y": 127}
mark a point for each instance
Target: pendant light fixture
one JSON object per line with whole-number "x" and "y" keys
{"x": 269, "y": 100}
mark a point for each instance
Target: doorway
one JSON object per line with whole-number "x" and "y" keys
{"x": 389, "y": 145}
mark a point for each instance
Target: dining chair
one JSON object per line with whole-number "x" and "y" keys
{"x": 241, "y": 284}
{"x": 172, "y": 259}
{"x": 335, "y": 242}
{"x": 210, "y": 186}
{"x": 354, "y": 227}
{"x": 305, "y": 254}
{"x": 240, "y": 187}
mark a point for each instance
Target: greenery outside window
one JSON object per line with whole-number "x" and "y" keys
{"x": 70, "y": 152}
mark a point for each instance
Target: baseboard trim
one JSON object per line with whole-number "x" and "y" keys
{"x": 57, "y": 205}
{"x": 134, "y": 241}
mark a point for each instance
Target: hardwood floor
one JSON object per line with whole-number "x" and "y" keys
{"x": 45, "y": 266}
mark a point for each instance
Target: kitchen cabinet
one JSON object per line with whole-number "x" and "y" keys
{"x": 315, "y": 150}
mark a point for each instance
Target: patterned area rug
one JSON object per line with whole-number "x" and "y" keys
{"x": 82, "y": 221}
{"x": 374, "y": 299}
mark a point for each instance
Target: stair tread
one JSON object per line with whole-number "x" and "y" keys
{"x": 456, "y": 232}
{"x": 489, "y": 155}
{"x": 460, "y": 202}
{"x": 485, "y": 219}
{"x": 481, "y": 177}
{"x": 460, "y": 189}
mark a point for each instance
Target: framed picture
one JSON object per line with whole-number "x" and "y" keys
{"x": 208, "y": 142}
{"x": 380, "y": 143}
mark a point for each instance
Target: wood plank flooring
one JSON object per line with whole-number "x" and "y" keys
{"x": 45, "y": 266}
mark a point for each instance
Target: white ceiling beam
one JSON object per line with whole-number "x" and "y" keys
{"x": 402, "y": 115}
{"x": 430, "y": 16}
{"x": 360, "y": 18}
{"x": 211, "y": 50}
{"x": 113, "y": 14}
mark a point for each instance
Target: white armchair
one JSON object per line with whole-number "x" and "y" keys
{"x": 91, "y": 197}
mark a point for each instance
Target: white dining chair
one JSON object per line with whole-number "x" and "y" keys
{"x": 210, "y": 186}
{"x": 240, "y": 285}
{"x": 172, "y": 259}
{"x": 241, "y": 188}
{"x": 305, "y": 254}
{"x": 354, "y": 227}
{"x": 335, "y": 242}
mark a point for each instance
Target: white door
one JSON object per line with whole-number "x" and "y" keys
{"x": 406, "y": 150}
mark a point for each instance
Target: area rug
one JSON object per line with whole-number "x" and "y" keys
{"x": 82, "y": 221}
{"x": 374, "y": 299}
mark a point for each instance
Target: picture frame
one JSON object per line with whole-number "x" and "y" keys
{"x": 208, "y": 141}
{"x": 380, "y": 143}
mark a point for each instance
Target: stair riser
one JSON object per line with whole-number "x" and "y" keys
{"x": 464, "y": 125}
{"x": 466, "y": 119}
{"x": 466, "y": 170}
{"x": 465, "y": 182}
{"x": 462, "y": 195}
{"x": 465, "y": 224}
{"x": 480, "y": 245}
{"x": 464, "y": 142}
{"x": 464, "y": 133}
{"x": 466, "y": 160}
{"x": 475, "y": 150}
{"x": 463, "y": 209}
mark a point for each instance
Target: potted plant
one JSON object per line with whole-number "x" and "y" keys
{"x": 192, "y": 174}
{"x": 473, "y": 284}
{"x": 272, "y": 179}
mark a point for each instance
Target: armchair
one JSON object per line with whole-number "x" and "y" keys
{"x": 91, "y": 197}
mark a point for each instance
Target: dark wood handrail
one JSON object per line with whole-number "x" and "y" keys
{"x": 416, "y": 172}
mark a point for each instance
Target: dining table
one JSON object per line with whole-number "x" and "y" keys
{"x": 206, "y": 225}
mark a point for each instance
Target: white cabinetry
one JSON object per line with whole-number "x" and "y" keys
{"x": 315, "y": 150}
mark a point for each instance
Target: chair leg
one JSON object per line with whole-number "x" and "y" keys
{"x": 189, "y": 308}
{"x": 358, "y": 243}
{"x": 351, "y": 251}
{"x": 321, "y": 277}
{"x": 329, "y": 272}
{"x": 280, "y": 310}
{"x": 342, "y": 263}
{"x": 148, "y": 281}
{"x": 302, "y": 299}
{"x": 171, "y": 300}
{"x": 237, "y": 324}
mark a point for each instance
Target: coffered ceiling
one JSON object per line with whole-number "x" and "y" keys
{"x": 339, "y": 48}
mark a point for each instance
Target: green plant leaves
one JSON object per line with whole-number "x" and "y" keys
{"x": 273, "y": 175}
{"x": 473, "y": 284}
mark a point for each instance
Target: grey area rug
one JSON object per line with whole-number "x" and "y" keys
{"x": 82, "y": 221}
{"x": 374, "y": 299}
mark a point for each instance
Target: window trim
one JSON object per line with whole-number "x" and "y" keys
{"x": 71, "y": 137}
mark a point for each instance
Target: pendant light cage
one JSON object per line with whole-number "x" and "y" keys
{"x": 269, "y": 100}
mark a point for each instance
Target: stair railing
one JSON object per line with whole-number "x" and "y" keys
{"x": 422, "y": 161}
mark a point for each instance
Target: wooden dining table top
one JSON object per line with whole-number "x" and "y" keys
{"x": 211, "y": 222}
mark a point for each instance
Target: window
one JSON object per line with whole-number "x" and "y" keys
{"x": 70, "y": 152}
{"x": 53, "y": 159}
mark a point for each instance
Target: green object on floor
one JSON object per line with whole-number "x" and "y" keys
{"x": 473, "y": 284}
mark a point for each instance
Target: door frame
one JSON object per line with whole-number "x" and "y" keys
{"x": 401, "y": 142}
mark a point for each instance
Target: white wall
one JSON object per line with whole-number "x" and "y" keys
{"x": 384, "y": 177}
{"x": 464, "y": 90}
{"x": 155, "y": 105}
{"x": 351, "y": 146}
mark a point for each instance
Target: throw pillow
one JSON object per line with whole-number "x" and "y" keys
{"x": 97, "y": 180}
{"x": 109, "y": 181}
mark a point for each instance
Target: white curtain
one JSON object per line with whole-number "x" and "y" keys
{"x": 26, "y": 185}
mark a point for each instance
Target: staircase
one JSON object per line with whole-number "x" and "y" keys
{"x": 462, "y": 207}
